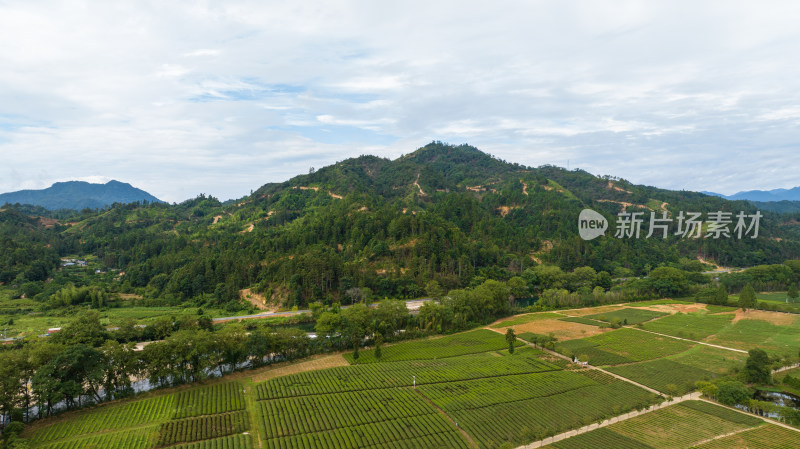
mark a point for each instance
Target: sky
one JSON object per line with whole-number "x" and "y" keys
{"x": 220, "y": 97}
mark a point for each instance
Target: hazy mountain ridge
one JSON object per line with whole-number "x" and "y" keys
{"x": 78, "y": 195}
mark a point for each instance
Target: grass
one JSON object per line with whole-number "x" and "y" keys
{"x": 623, "y": 346}
{"x": 664, "y": 375}
{"x": 527, "y": 318}
{"x": 217, "y": 400}
{"x": 750, "y": 334}
{"x": 628, "y": 315}
{"x": 694, "y": 326}
{"x": 671, "y": 427}
{"x": 769, "y": 435}
{"x": 481, "y": 340}
{"x": 582, "y": 320}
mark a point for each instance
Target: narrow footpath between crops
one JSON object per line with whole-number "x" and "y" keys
{"x": 686, "y": 339}
{"x": 443, "y": 413}
{"x": 608, "y": 422}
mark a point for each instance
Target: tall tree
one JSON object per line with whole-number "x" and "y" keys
{"x": 747, "y": 298}
{"x": 511, "y": 339}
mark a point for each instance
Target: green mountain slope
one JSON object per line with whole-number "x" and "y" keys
{"x": 79, "y": 195}
{"x": 447, "y": 213}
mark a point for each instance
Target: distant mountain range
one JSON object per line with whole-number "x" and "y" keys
{"x": 79, "y": 195}
{"x": 762, "y": 195}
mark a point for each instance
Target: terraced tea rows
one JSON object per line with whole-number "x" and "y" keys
{"x": 481, "y": 340}
{"x": 682, "y": 425}
{"x": 402, "y": 374}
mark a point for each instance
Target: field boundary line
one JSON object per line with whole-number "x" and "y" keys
{"x": 785, "y": 368}
{"x": 443, "y": 413}
{"x": 764, "y": 418}
{"x": 686, "y": 339}
{"x": 608, "y": 422}
{"x": 617, "y": 376}
{"x": 746, "y": 429}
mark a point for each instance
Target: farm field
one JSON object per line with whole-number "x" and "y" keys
{"x": 622, "y": 346}
{"x": 193, "y": 414}
{"x": 768, "y": 435}
{"x": 481, "y": 340}
{"x": 675, "y": 426}
{"x": 627, "y": 316}
{"x": 527, "y": 318}
{"x": 459, "y": 391}
{"x": 495, "y": 397}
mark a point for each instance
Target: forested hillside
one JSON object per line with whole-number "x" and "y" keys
{"x": 450, "y": 214}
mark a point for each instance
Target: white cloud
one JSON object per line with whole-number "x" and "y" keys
{"x": 181, "y": 98}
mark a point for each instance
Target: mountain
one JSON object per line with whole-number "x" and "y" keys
{"x": 79, "y": 195}
{"x": 792, "y": 194}
{"x": 452, "y": 214}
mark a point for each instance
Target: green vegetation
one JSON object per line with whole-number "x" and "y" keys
{"x": 627, "y": 316}
{"x": 671, "y": 427}
{"x": 664, "y": 375}
{"x": 694, "y": 326}
{"x": 527, "y": 318}
{"x": 472, "y": 342}
{"x": 582, "y": 320}
{"x": 622, "y": 346}
{"x": 768, "y": 435}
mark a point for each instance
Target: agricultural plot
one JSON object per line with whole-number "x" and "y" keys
{"x": 768, "y": 436}
{"x": 682, "y": 425}
{"x": 523, "y": 420}
{"x": 133, "y": 439}
{"x": 481, "y": 340}
{"x": 410, "y": 432}
{"x": 694, "y": 326}
{"x": 497, "y": 390}
{"x": 664, "y": 375}
{"x": 582, "y": 320}
{"x": 748, "y": 334}
{"x": 202, "y": 428}
{"x": 108, "y": 418}
{"x": 527, "y": 318}
{"x": 627, "y": 316}
{"x": 622, "y": 346}
{"x": 317, "y": 413}
{"x": 214, "y": 403}
{"x": 715, "y": 360}
{"x": 231, "y": 442}
{"x": 217, "y": 398}
{"x": 401, "y": 374}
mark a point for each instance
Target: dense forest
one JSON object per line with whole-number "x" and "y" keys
{"x": 386, "y": 228}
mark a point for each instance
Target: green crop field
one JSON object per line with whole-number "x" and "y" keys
{"x": 521, "y": 419}
{"x": 671, "y": 427}
{"x": 768, "y": 435}
{"x": 749, "y": 334}
{"x": 481, "y": 340}
{"x": 622, "y": 346}
{"x": 218, "y": 407}
{"x": 495, "y": 397}
{"x": 401, "y": 374}
{"x": 527, "y": 318}
{"x": 694, "y": 326}
{"x": 583, "y": 320}
{"x": 663, "y": 375}
{"x": 229, "y": 442}
{"x": 627, "y": 315}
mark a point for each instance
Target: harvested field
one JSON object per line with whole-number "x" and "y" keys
{"x": 562, "y": 330}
